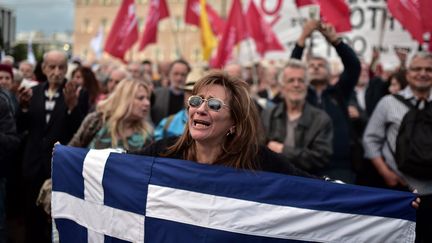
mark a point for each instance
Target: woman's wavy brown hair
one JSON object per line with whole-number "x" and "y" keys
{"x": 240, "y": 148}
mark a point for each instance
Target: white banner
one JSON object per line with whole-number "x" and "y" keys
{"x": 372, "y": 26}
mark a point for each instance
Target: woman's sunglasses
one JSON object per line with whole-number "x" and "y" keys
{"x": 214, "y": 104}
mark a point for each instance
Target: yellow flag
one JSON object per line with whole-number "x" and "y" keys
{"x": 208, "y": 38}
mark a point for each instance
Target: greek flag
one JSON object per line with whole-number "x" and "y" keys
{"x": 103, "y": 196}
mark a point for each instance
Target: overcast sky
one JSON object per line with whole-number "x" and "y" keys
{"x": 47, "y": 16}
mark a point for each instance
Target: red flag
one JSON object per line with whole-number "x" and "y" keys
{"x": 192, "y": 16}
{"x": 261, "y": 31}
{"x": 192, "y": 12}
{"x": 335, "y": 12}
{"x": 301, "y": 3}
{"x": 407, "y": 12}
{"x": 218, "y": 24}
{"x": 157, "y": 11}
{"x": 124, "y": 31}
{"x": 235, "y": 31}
{"x": 426, "y": 13}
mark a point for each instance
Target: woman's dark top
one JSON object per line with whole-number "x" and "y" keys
{"x": 266, "y": 160}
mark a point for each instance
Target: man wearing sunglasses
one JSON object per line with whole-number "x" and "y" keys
{"x": 295, "y": 128}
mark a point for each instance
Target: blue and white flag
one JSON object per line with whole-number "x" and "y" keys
{"x": 103, "y": 196}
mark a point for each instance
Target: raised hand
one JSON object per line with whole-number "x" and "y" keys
{"x": 70, "y": 95}
{"x": 24, "y": 96}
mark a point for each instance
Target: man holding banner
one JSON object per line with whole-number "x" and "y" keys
{"x": 333, "y": 99}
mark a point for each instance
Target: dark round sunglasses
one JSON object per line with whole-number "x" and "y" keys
{"x": 214, "y": 104}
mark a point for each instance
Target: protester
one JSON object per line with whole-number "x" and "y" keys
{"x": 6, "y": 77}
{"x": 27, "y": 70}
{"x": 50, "y": 112}
{"x": 271, "y": 87}
{"x": 363, "y": 100}
{"x": 333, "y": 99}
{"x": 168, "y": 101}
{"x": 85, "y": 79}
{"x": 174, "y": 125}
{"x": 6, "y": 84}
{"x": 118, "y": 121}
{"x": 136, "y": 69}
{"x": 222, "y": 129}
{"x": 296, "y": 129}
{"x": 9, "y": 143}
{"x": 381, "y": 135}
{"x": 148, "y": 70}
{"x": 115, "y": 77}
{"x": 397, "y": 82}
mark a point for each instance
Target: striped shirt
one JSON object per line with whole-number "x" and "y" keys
{"x": 382, "y": 130}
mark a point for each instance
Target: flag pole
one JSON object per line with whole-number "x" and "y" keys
{"x": 382, "y": 29}
{"x": 254, "y": 69}
{"x": 176, "y": 41}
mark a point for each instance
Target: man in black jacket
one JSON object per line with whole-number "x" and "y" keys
{"x": 50, "y": 112}
{"x": 295, "y": 128}
{"x": 332, "y": 99}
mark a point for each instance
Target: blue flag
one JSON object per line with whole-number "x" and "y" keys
{"x": 103, "y": 196}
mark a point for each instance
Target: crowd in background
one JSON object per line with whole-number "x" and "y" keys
{"x": 336, "y": 124}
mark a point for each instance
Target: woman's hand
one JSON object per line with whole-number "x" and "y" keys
{"x": 416, "y": 202}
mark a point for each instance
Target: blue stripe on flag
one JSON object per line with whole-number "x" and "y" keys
{"x": 68, "y": 172}
{"x": 74, "y": 233}
{"x": 109, "y": 239}
{"x": 126, "y": 182}
{"x": 266, "y": 187}
{"x": 173, "y": 232}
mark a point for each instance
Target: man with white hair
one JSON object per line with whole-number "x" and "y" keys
{"x": 381, "y": 134}
{"x": 50, "y": 112}
{"x": 296, "y": 129}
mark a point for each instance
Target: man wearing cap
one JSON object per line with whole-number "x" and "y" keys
{"x": 168, "y": 101}
{"x": 173, "y": 125}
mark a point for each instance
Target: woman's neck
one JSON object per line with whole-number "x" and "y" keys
{"x": 128, "y": 129}
{"x": 206, "y": 154}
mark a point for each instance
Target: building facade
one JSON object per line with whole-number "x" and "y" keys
{"x": 175, "y": 38}
{"x": 7, "y": 29}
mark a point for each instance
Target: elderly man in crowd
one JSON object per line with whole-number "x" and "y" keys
{"x": 296, "y": 129}
{"x": 51, "y": 112}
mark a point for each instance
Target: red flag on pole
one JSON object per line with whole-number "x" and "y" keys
{"x": 235, "y": 31}
{"x": 192, "y": 16}
{"x": 124, "y": 31}
{"x": 407, "y": 12}
{"x": 261, "y": 31}
{"x": 157, "y": 11}
{"x": 335, "y": 12}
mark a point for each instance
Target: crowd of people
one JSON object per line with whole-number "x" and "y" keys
{"x": 298, "y": 119}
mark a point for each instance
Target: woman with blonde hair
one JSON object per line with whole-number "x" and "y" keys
{"x": 119, "y": 121}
